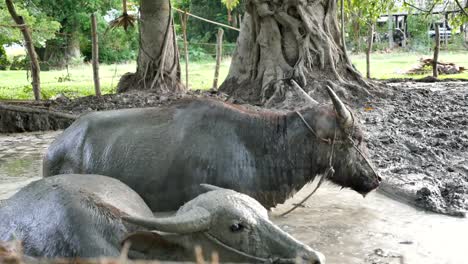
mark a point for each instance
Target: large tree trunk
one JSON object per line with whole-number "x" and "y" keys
{"x": 283, "y": 40}
{"x": 64, "y": 51}
{"x": 158, "y": 67}
{"x": 389, "y": 28}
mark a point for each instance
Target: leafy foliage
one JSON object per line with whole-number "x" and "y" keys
{"x": 20, "y": 62}
{"x": 456, "y": 20}
{"x": 43, "y": 27}
{"x": 418, "y": 29}
{"x": 361, "y": 15}
{"x": 230, "y": 4}
{"x": 4, "y": 62}
{"x": 366, "y": 12}
{"x": 116, "y": 45}
{"x": 198, "y": 31}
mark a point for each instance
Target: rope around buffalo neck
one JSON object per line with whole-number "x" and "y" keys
{"x": 247, "y": 255}
{"x": 330, "y": 171}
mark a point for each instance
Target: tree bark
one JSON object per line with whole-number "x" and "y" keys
{"x": 35, "y": 69}
{"x": 435, "y": 72}
{"x": 390, "y": 29}
{"x": 343, "y": 31}
{"x": 183, "y": 23}
{"x": 95, "y": 55}
{"x": 370, "y": 42}
{"x": 284, "y": 40}
{"x": 158, "y": 67}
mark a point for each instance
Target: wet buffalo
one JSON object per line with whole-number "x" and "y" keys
{"x": 91, "y": 215}
{"x": 165, "y": 153}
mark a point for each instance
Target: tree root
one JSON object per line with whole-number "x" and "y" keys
{"x": 158, "y": 71}
{"x": 265, "y": 51}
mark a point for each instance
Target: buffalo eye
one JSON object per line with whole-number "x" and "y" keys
{"x": 237, "y": 227}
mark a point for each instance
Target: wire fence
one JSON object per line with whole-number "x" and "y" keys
{"x": 77, "y": 79}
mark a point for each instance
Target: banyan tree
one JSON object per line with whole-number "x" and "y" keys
{"x": 284, "y": 40}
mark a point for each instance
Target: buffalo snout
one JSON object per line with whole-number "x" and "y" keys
{"x": 311, "y": 257}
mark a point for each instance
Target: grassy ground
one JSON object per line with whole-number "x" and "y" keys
{"x": 394, "y": 65}
{"x": 78, "y": 80}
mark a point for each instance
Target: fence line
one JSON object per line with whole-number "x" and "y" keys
{"x": 206, "y": 20}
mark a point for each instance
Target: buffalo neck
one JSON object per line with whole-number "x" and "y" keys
{"x": 285, "y": 150}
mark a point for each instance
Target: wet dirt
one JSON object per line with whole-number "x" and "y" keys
{"x": 341, "y": 224}
{"x": 350, "y": 229}
{"x": 21, "y": 159}
{"x": 418, "y": 138}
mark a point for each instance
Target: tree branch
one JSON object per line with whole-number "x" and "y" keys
{"x": 28, "y": 43}
{"x": 461, "y": 8}
{"x": 13, "y": 26}
{"x": 420, "y": 9}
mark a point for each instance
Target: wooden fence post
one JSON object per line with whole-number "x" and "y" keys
{"x": 35, "y": 68}
{"x": 370, "y": 41}
{"x": 183, "y": 22}
{"x": 435, "y": 72}
{"x": 219, "y": 55}
{"x": 95, "y": 55}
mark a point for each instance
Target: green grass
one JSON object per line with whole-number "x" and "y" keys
{"x": 15, "y": 85}
{"x": 394, "y": 65}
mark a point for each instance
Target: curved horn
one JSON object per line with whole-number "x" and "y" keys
{"x": 344, "y": 116}
{"x": 194, "y": 220}
{"x": 306, "y": 95}
{"x": 208, "y": 187}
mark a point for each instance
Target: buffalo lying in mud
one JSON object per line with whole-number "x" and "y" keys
{"x": 165, "y": 153}
{"x": 89, "y": 216}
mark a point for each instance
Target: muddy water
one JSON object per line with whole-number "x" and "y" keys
{"x": 21, "y": 159}
{"x": 342, "y": 224}
{"x": 350, "y": 229}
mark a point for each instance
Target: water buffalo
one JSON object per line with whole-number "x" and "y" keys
{"x": 89, "y": 216}
{"x": 165, "y": 153}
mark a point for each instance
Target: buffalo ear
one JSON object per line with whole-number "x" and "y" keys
{"x": 151, "y": 243}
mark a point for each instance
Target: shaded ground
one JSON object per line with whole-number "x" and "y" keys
{"x": 419, "y": 140}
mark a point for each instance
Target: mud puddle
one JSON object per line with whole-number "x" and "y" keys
{"x": 351, "y": 229}
{"x": 21, "y": 159}
{"x": 341, "y": 224}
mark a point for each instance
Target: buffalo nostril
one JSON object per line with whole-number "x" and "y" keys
{"x": 379, "y": 178}
{"x": 319, "y": 258}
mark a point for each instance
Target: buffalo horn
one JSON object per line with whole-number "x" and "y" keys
{"x": 195, "y": 220}
{"x": 209, "y": 187}
{"x": 306, "y": 95}
{"x": 344, "y": 116}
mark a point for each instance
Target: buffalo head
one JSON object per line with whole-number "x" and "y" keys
{"x": 341, "y": 147}
{"x": 224, "y": 221}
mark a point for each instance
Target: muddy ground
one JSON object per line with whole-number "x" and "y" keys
{"x": 417, "y": 137}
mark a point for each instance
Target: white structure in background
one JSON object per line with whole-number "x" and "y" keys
{"x": 14, "y": 49}
{"x": 443, "y": 10}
